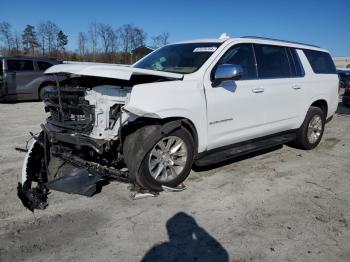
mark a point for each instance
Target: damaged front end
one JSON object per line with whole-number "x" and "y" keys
{"x": 78, "y": 149}
{"x": 80, "y": 146}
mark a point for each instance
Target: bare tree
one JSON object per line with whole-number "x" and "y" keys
{"x": 51, "y": 35}
{"x": 82, "y": 39}
{"x": 93, "y": 39}
{"x": 47, "y": 33}
{"x": 113, "y": 38}
{"x": 131, "y": 38}
{"x": 42, "y": 33}
{"x": 125, "y": 33}
{"x": 138, "y": 37}
{"x": 105, "y": 32}
{"x": 6, "y": 35}
{"x": 160, "y": 40}
{"x": 17, "y": 43}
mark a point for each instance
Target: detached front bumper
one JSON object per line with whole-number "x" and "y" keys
{"x": 54, "y": 167}
{"x": 56, "y": 134}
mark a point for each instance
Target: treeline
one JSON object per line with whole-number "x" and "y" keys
{"x": 99, "y": 43}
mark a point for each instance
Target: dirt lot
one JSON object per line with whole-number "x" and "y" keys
{"x": 284, "y": 205}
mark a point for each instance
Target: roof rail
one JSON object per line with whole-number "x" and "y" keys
{"x": 273, "y": 39}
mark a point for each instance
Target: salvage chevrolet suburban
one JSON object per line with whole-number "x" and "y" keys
{"x": 195, "y": 102}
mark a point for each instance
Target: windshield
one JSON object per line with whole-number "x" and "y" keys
{"x": 179, "y": 58}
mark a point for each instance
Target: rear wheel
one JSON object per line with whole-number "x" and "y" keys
{"x": 310, "y": 133}
{"x": 41, "y": 92}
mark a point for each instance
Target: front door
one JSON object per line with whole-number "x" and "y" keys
{"x": 235, "y": 109}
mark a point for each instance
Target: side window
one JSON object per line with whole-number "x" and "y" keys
{"x": 43, "y": 65}
{"x": 321, "y": 62}
{"x": 20, "y": 65}
{"x": 241, "y": 54}
{"x": 272, "y": 61}
{"x": 1, "y": 72}
{"x": 298, "y": 67}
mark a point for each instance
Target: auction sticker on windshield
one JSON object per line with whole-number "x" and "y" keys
{"x": 205, "y": 49}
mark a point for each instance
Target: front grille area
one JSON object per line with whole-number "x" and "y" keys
{"x": 69, "y": 110}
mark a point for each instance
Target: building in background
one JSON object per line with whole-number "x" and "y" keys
{"x": 140, "y": 52}
{"x": 342, "y": 61}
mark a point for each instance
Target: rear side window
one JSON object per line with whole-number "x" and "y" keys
{"x": 20, "y": 65}
{"x": 272, "y": 61}
{"x": 43, "y": 65}
{"x": 321, "y": 62}
{"x": 241, "y": 54}
{"x": 296, "y": 63}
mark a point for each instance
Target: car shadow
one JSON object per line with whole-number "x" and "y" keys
{"x": 187, "y": 242}
{"x": 343, "y": 110}
{"x": 235, "y": 159}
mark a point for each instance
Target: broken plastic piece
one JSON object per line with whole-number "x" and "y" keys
{"x": 179, "y": 188}
{"x": 141, "y": 195}
{"x": 77, "y": 181}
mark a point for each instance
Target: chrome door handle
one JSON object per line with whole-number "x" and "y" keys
{"x": 258, "y": 90}
{"x": 296, "y": 87}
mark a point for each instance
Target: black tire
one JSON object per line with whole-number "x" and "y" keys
{"x": 42, "y": 90}
{"x": 302, "y": 141}
{"x": 148, "y": 136}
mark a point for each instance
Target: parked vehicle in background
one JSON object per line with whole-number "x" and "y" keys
{"x": 22, "y": 78}
{"x": 344, "y": 82}
{"x": 201, "y": 102}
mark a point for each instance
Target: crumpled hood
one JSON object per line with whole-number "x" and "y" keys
{"x": 107, "y": 70}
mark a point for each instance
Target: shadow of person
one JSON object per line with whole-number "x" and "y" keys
{"x": 187, "y": 242}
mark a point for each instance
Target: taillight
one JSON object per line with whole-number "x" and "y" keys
{"x": 347, "y": 90}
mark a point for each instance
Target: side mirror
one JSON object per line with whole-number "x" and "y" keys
{"x": 228, "y": 72}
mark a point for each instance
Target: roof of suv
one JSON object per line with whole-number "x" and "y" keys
{"x": 256, "y": 39}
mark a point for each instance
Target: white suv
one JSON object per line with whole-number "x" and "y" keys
{"x": 195, "y": 102}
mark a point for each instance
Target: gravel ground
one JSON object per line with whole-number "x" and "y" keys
{"x": 283, "y": 205}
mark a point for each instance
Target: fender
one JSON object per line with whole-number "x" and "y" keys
{"x": 172, "y": 99}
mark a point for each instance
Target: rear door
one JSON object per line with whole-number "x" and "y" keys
{"x": 2, "y": 80}
{"x": 23, "y": 71}
{"x": 282, "y": 89}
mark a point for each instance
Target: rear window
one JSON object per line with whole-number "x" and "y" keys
{"x": 272, "y": 61}
{"x": 43, "y": 65}
{"x": 321, "y": 62}
{"x": 20, "y": 65}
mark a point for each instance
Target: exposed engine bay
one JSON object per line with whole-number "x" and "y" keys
{"x": 80, "y": 146}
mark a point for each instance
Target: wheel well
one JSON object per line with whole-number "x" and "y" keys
{"x": 143, "y": 121}
{"x": 322, "y": 104}
{"x": 46, "y": 83}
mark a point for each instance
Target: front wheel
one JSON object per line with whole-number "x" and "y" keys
{"x": 169, "y": 160}
{"x": 311, "y": 131}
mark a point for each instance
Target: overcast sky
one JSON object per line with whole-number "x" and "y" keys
{"x": 324, "y": 22}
